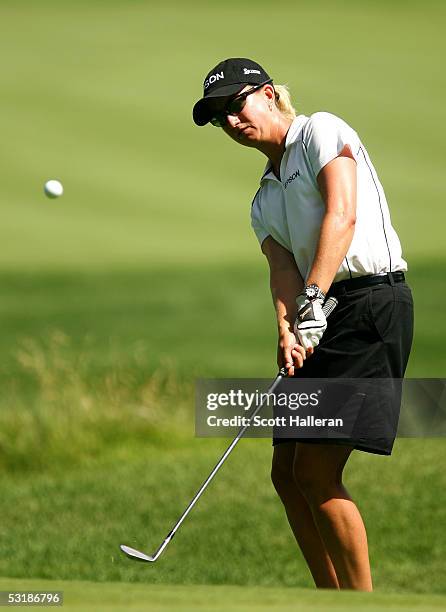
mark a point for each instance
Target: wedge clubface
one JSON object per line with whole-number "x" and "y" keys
{"x": 132, "y": 553}
{"x": 137, "y": 555}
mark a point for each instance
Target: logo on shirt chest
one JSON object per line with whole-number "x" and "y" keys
{"x": 291, "y": 178}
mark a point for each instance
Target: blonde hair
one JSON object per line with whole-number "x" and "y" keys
{"x": 283, "y": 101}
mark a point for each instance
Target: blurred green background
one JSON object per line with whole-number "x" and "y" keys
{"x": 146, "y": 274}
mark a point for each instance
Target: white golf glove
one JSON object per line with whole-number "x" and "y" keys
{"x": 310, "y": 323}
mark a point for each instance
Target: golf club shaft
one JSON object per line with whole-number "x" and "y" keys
{"x": 329, "y": 306}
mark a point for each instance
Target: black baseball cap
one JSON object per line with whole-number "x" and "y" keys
{"x": 226, "y": 79}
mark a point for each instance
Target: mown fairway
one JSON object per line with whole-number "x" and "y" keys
{"x": 87, "y": 596}
{"x": 68, "y": 522}
{"x": 146, "y": 275}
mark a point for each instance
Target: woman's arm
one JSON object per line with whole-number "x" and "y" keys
{"x": 286, "y": 283}
{"x": 337, "y": 184}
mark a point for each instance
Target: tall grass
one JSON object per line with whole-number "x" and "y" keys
{"x": 63, "y": 415}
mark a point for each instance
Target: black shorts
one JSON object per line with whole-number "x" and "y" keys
{"x": 369, "y": 335}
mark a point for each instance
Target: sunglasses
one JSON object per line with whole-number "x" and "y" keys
{"x": 234, "y": 106}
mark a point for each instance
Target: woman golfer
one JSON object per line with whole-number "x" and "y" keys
{"x": 323, "y": 223}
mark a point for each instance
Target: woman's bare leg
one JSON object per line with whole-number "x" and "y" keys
{"x": 318, "y": 474}
{"x": 300, "y": 517}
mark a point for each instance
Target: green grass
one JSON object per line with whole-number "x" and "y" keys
{"x": 204, "y": 320}
{"x": 102, "y": 99}
{"x": 146, "y": 275}
{"x": 86, "y": 596}
{"x": 67, "y": 523}
{"x": 91, "y": 360}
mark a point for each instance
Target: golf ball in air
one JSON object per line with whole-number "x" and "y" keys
{"x": 53, "y": 189}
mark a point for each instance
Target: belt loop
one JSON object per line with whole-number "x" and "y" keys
{"x": 391, "y": 279}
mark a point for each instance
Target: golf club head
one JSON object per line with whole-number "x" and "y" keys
{"x": 136, "y": 554}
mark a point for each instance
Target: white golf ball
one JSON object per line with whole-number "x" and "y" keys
{"x": 53, "y": 188}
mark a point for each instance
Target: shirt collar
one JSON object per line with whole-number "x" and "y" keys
{"x": 290, "y": 139}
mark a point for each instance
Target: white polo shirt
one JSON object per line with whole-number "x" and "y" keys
{"x": 291, "y": 209}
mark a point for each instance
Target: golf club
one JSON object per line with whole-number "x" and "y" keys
{"x": 137, "y": 555}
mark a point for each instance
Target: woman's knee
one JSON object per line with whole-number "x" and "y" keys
{"x": 282, "y": 480}
{"x": 317, "y": 471}
{"x": 282, "y": 471}
{"x": 308, "y": 481}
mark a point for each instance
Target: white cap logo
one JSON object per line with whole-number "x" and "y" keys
{"x": 213, "y": 78}
{"x": 247, "y": 71}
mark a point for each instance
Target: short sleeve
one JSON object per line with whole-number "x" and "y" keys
{"x": 256, "y": 219}
{"x": 324, "y": 137}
